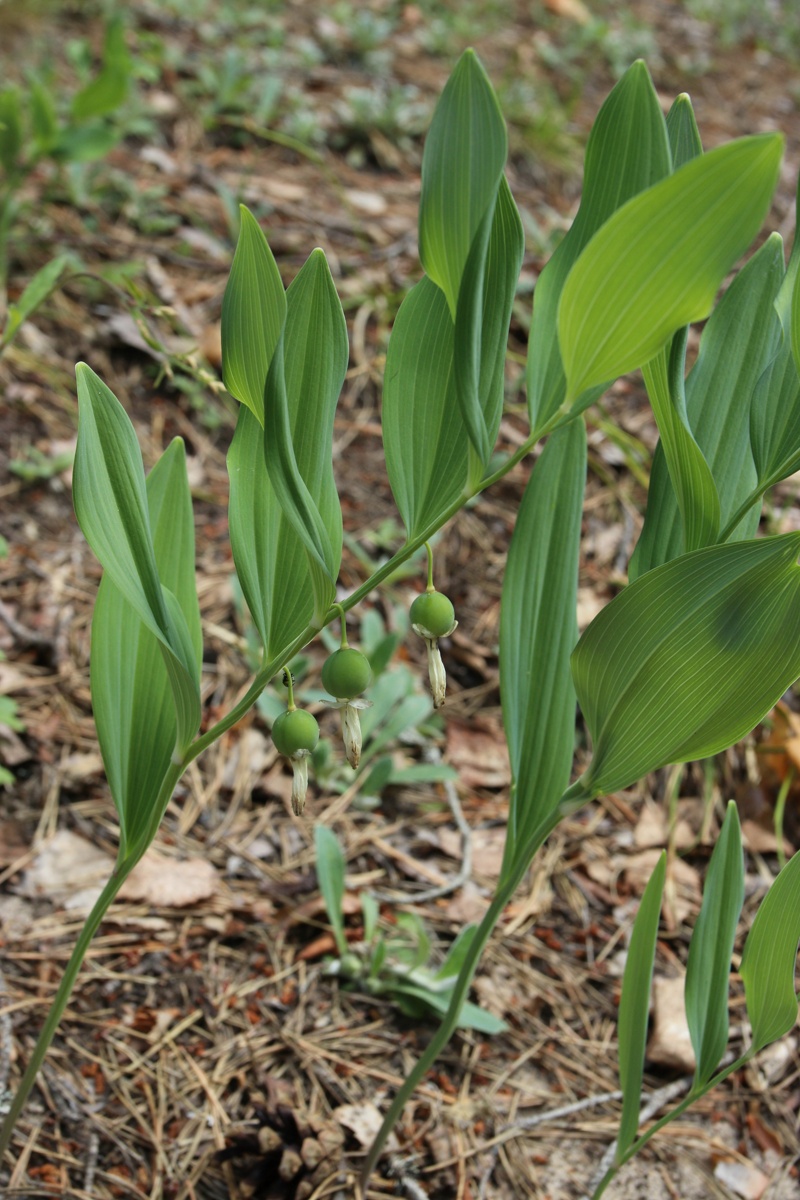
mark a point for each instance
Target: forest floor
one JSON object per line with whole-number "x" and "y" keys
{"x": 206, "y": 1052}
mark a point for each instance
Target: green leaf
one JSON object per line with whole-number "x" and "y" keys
{"x": 627, "y": 151}
{"x": 456, "y": 955}
{"x": 737, "y": 343}
{"x": 269, "y": 553}
{"x": 658, "y": 262}
{"x": 709, "y": 965}
{"x": 470, "y": 1017}
{"x": 684, "y": 136}
{"x": 308, "y": 368}
{"x": 695, "y": 489}
{"x": 634, "y": 1005}
{"x": 424, "y": 439}
{"x": 485, "y": 298}
{"x": 131, "y": 694}
{"x": 689, "y": 658}
{"x": 253, "y": 314}
{"x": 105, "y": 93}
{"x": 111, "y": 506}
{"x": 775, "y": 411}
{"x": 768, "y": 961}
{"x": 11, "y": 132}
{"x": 465, "y": 152}
{"x": 84, "y": 143}
{"x": 44, "y": 121}
{"x": 330, "y": 875}
{"x": 371, "y": 915}
{"x": 538, "y": 630}
{"x": 45, "y": 281}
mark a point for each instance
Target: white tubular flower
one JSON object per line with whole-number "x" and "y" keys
{"x": 351, "y": 728}
{"x": 299, "y": 762}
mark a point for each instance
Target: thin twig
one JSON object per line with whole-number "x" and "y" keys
{"x": 27, "y": 637}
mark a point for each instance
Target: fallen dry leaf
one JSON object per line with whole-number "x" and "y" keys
{"x": 479, "y": 755}
{"x": 68, "y": 870}
{"x": 168, "y": 882}
{"x": 759, "y": 840}
{"x": 743, "y": 1178}
{"x": 363, "y": 1121}
{"x": 670, "y": 1043}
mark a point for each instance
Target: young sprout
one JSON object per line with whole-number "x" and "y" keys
{"x": 433, "y": 617}
{"x": 345, "y": 675}
{"x": 295, "y": 734}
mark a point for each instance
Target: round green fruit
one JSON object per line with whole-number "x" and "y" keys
{"x": 346, "y": 674}
{"x": 434, "y": 612}
{"x": 295, "y": 730}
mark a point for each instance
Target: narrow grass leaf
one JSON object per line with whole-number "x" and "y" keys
{"x": 11, "y": 129}
{"x": 465, "y": 152}
{"x": 634, "y": 1005}
{"x": 132, "y": 697}
{"x": 628, "y": 151}
{"x": 538, "y": 630}
{"x": 658, "y": 262}
{"x": 709, "y": 964}
{"x": 768, "y": 961}
{"x": 689, "y": 658}
{"x": 330, "y": 875}
{"x": 424, "y": 438}
{"x": 253, "y": 313}
{"x": 739, "y": 339}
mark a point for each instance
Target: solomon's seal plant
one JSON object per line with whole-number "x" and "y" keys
{"x": 688, "y": 658}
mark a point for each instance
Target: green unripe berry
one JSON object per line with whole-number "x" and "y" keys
{"x": 434, "y": 612}
{"x": 295, "y": 730}
{"x": 346, "y": 673}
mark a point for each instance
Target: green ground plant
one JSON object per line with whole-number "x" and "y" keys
{"x": 40, "y": 125}
{"x": 684, "y": 662}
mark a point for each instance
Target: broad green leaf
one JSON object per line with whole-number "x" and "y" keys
{"x": 796, "y": 322}
{"x": 627, "y": 152}
{"x": 131, "y": 694}
{"x": 330, "y": 875}
{"x": 538, "y": 630}
{"x": 634, "y": 1005}
{"x": 84, "y": 143}
{"x": 470, "y": 1017}
{"x": 465, "y": 152}
{"x": 424, "y": 438}
{"x": 709, "y": 965}
{"x": 737, "y": 343}
{"x": 111, "y": 502}
{"x": 456, "y": 954}
{"x": 768, "y": 961}
{"x": 105, "y": 93}
{"x": 684, "y": 136}
{"x": 695, "y": 489}
{"x": 270, "y": 556}
{"x": 485, "y": 298}
{"x": 253, "y": 314}
{"x": 11, "y": 131}
{"x": 775, "y": 411}
{"x": 111, "y": 506}
{"x": 689, "y": 658}
{"x": 658, "y": 261}
{"x": 308, "y": 367}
